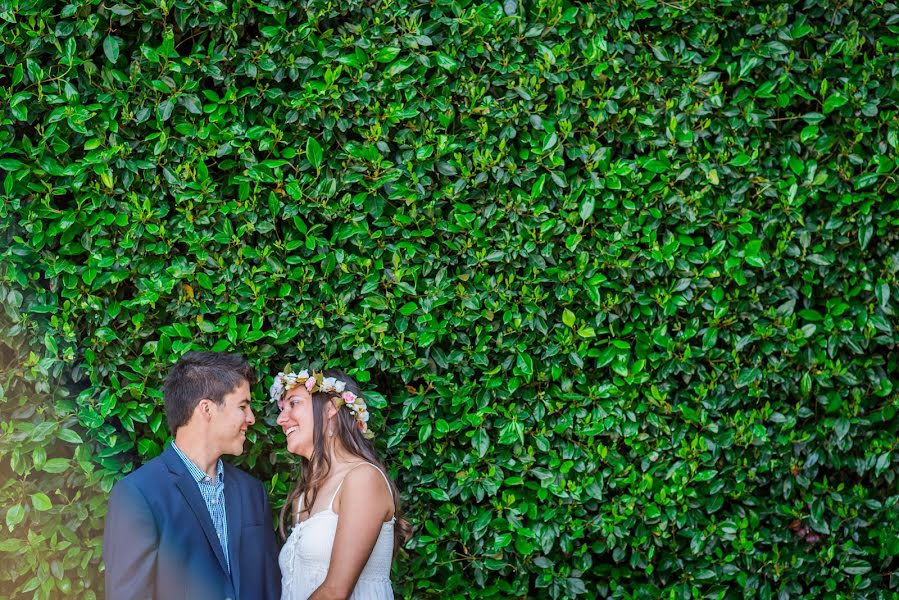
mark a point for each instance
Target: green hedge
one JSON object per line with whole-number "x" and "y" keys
{"x": 624, "y": 274}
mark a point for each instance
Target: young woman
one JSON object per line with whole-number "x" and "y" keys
{"x": 345, "y": 509}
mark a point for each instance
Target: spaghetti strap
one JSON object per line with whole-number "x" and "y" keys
{"x": 334, "y": 495}
{"x": 297, "y": 507}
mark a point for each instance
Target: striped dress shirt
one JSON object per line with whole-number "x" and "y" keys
{"x": 214, "y": 496}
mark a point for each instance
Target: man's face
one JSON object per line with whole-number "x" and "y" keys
{"x": 231, "y": 419}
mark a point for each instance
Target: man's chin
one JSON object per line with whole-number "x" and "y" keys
{"x": 237, "y": 449}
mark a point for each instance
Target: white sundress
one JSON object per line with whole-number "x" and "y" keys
{"x": 306, "y": 554}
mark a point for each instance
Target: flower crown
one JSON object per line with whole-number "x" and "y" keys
{"x": 286, "y": 380}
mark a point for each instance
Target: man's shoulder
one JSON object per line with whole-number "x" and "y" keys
{"x": 239, "y": 475}
{"x": 148, "y": 474}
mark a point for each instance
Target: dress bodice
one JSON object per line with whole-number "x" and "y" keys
{"x": 306, "y": 556}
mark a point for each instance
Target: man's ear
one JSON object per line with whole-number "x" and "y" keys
{"x": 204, "y": 409}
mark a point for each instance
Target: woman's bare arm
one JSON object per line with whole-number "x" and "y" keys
{"x": 365, "y": 503}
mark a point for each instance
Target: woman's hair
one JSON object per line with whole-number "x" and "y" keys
{"x": 314, "y": 471}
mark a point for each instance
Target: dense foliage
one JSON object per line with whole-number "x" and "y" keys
{"x": 624, "y": 275}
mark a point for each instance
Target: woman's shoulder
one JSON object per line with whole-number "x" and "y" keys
{"x": 365, "y": 482}
{"x": 365, "y": 474}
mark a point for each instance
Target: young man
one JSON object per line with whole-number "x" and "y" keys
{"x": 187, "y": 525}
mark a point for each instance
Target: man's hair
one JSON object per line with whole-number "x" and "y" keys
{"x": 200, "y": 375}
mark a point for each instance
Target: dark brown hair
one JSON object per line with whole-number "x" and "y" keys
{"x": 199, "y": 375}
{"x": 314, "y": 471}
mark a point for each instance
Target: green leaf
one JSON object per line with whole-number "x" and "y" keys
{"x": 67, "y": 435}
{"x": 808, "y": 133}
{"x": 446, "y": 62}
{"x": 841, "y": 427}
{"x": 41, "y": 501}
{"x": 11, "y": 164}
{"x": 385, "y": 55}
{"x": 56, "y": 465}
{"x": 549, "y": 142}
{"x": 481, "y": 442}
{"x": 805, "y": 384}
{"x": 863, "y": 181}
{"x": 439, "y": 495}
{"x": 192, "y": 104}
{"x": 111, "y": 45}
{"x": 587, "y": 207}
{"x": 865, "y": 233}
{"x": 14, "y": 516}
{"x": 858, "y": 567}
{"x": 833, "y": 102}
{"x": 525, "y": 364}
{"x": 655, "y": 166}
{"x": 882, "y": 291}
{"x": 741, "y": 160}
{"x": 314, "y": 153}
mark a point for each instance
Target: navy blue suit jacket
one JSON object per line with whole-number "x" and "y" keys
{"x": 159, "y": 541}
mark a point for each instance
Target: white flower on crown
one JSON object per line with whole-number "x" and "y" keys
{"x": 277, "y": 389}
{"x": 329, "y": 384}
{"x": 339, "y": 386}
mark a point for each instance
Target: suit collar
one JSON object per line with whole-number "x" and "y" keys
{"x": 187, "y": 485}
{"x": 233, "y": 509}
{"x": 196, "y": 472}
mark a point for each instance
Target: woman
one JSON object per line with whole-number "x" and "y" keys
{"x": 345, "y": 509}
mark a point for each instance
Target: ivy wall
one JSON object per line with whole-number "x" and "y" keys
{"x": 620, "y": 277}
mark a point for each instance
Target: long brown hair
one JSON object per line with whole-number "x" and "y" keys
{"x": 314, "y": 471}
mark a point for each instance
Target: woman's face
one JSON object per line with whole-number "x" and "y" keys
{"x": 296, "y": 421}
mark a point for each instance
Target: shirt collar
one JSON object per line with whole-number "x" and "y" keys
{"x": 196, "y": 472}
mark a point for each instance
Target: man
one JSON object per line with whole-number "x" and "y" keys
{"x": 187, "y": 525}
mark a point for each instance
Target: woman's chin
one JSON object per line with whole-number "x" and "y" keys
{"x": 299, "y": 451}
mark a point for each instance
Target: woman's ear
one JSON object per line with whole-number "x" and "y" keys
{"x": 332, "y": 410}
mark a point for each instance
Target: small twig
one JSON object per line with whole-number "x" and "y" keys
{"x": 887, "y": 178}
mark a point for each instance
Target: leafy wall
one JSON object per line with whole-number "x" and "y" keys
{"x": 624, "y": 275}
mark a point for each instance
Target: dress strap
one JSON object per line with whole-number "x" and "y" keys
{"x": 298, "y": 507}
{"x": 387, "y": 481}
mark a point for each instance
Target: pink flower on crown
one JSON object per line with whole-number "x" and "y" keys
{"x": 310, "y": 383}
{"x": 348, "y": 397}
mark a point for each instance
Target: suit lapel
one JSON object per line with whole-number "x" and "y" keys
{"x": 233, "y": 510}
{"x": 188, "y": 487}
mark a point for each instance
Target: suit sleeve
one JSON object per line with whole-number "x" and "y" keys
{"x": 272, "y": 569}
{"x": 130, "y": 545}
